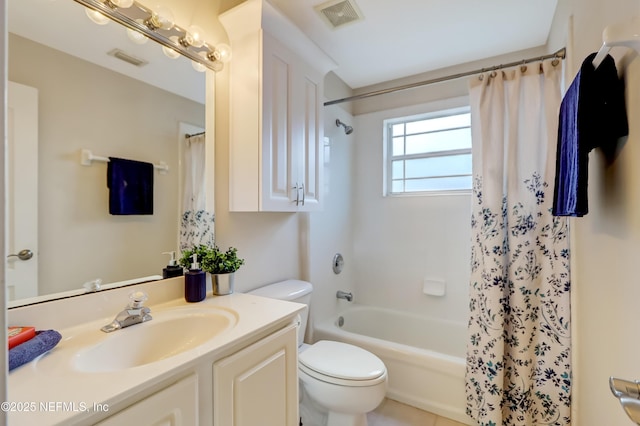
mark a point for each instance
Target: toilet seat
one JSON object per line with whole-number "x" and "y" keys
{"x": 342, "y": 364}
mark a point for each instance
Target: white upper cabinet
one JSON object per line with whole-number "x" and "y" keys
{"x": 276, "y": 103}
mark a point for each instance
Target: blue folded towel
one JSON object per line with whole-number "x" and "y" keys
{"x": 43, "y": 341}
{"x": 130, "y": 186}
{"x": 592, "y": 114}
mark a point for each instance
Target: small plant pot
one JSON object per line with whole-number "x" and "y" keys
{"x": 222, "y": 284}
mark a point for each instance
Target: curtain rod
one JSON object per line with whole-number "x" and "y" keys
{"x": 560, "y": 54}
{"x": 195, "y": 134}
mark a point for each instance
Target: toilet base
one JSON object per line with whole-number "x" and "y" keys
{"x": 342, "y": 419}
{"x": 315, "y": 415}
{"x": 311, "y": 413}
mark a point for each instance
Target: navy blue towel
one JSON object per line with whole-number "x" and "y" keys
{"x": 25, "y": 352}
{"x": 592, "y": 114}
{"x": 130, "y": 186}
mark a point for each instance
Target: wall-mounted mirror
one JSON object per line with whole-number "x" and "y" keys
{"x": 74, "y": 86}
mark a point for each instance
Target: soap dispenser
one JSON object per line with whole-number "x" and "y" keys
{"x": 172, "y": 269}
{"x": 195, "y": 283}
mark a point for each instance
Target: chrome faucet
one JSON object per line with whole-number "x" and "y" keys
{"x": 344, "y": 295}
{"x": 134, "y": 313}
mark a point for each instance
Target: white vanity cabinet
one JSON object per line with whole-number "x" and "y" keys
{"x": 259, "y": 384}
{"x": 175, "y": 405}
{"x": 245, "y": 374}
{"x": 276, "y": 102}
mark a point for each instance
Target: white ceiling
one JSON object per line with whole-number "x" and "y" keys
{"x": 401, "y": 38}
{"x": 395, "y": 39}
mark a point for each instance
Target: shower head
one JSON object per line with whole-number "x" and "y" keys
{"x": 347, "y": 129}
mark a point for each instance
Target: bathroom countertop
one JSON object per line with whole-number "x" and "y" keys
{"x": 50, "y": 391}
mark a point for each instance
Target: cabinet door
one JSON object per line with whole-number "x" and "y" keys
{"x": 278, "y": 185}
{"x": 176, "y": 405}
{"x": 307, "y": 145}
{"x": 259, "y": 384}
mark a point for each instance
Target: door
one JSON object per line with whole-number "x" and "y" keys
{"x": 22, "y": 192}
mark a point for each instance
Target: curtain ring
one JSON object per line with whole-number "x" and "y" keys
{"x": 523, "y": 67}
{"x": 555, "y": 62}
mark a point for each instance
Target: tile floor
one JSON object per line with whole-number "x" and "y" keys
{"x": 393, "y": 413}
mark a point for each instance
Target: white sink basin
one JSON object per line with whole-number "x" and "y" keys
{"x": 169, "y": 333}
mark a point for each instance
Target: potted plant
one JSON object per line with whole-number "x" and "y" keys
{"x": 220, "y": 264}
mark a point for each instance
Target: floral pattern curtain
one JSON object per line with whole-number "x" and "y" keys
{"x": 519, "y": 347}
{"x": 197, "y": 223}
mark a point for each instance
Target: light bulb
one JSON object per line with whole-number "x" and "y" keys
{"x": 96, "y": 16}
{"x": 136, "y": 36}
{"x": 196, "y": 33}
{"x": 123, "y": 3}
{"x": 198, "y": 66}
{"x": 224, "y": 52}
{"x": 170, "y": 52}
{"x": 161, "y": 17}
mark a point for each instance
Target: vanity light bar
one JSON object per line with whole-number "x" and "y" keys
{"x": 139, "y": 18}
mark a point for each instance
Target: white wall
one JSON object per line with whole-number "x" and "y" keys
{"x": 606, "y": 244}
{"x": 85, "y": 106}
{"x": 331, "y": 230}
{"x": 401, "y": 241}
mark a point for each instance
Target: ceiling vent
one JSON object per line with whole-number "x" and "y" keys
{"x": 124, "y": 56}
{"x": 339, "y": 13}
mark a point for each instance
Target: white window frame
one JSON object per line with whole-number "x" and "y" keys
{"x": 389, "y": 158}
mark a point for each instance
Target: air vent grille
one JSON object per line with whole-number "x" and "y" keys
{"x": 124, "y": 56}
{"x": 338, "y": 13}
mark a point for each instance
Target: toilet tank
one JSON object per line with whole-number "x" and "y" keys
{"x": 292, "y": 291}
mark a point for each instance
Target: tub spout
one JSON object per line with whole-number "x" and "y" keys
{"x": 344, "y": 295}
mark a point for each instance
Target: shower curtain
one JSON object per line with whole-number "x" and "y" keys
{"x": 197, "y": 223}
{"x": 519, "y": 348}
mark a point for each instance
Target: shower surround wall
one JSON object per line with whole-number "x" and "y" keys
{"x": 331, "y": 230}
{"x": 400, "y": 241}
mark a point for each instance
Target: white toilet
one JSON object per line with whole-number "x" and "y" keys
{"x": 344, "y": 380}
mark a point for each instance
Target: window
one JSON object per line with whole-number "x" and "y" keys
{"x": 429, "y": 153}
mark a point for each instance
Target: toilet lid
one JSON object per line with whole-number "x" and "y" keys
{"x": 342, "y": 361}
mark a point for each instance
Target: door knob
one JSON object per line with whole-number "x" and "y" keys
{"x": 25, "y": 254}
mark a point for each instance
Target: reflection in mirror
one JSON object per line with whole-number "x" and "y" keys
{"x": 73, "y": 86}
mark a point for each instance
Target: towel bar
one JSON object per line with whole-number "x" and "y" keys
{"x": 87, "y": 157}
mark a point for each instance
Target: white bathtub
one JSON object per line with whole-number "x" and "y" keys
{"x": 425, "y": 357}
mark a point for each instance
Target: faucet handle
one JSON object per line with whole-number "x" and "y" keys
{"x": 136, "y": 299}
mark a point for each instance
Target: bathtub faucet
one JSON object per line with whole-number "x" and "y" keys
{"x": 344, "y": 295}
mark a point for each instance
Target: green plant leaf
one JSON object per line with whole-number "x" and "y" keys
{"x": 212, "y": 259}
